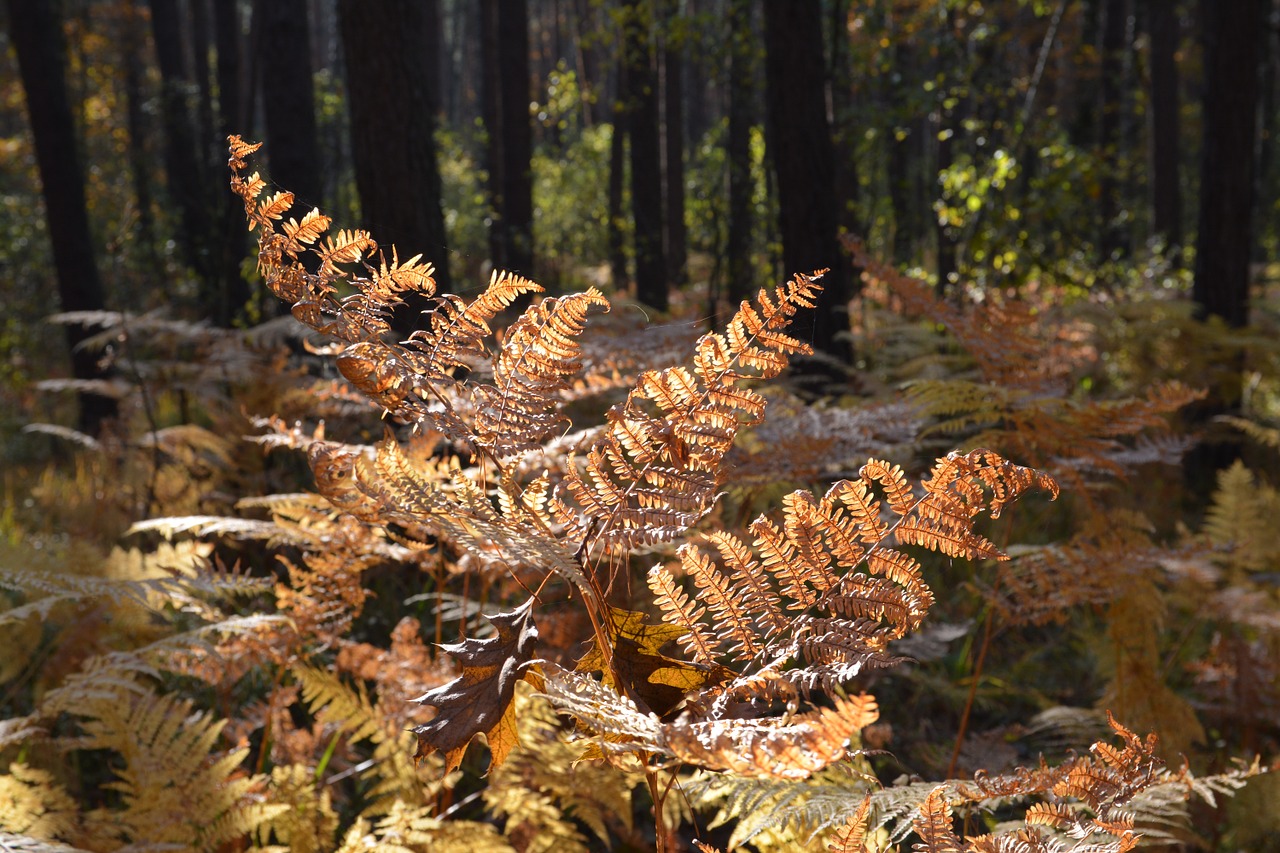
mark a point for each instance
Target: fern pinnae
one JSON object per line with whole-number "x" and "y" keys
{"x": 750, "y": 583}
{"x": 457, "y": 328}
{"x": 678, "y": 610}
{"x": 729, "y": 614}
{"x": 539, "y": 353}
{"x": 700, "y": 426}
{"x": 781, "y": 559}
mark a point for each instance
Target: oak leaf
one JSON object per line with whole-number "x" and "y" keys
{"x": 661, "y": 682}
{"x": 480, "y": 700}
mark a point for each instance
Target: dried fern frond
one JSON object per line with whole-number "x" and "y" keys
{"x": 657, "y": 468}
{"x": 174, "y": 787}
{"x": 836, "y": 556}
{"x": 539, "y": 354}
{"x": 14, "y": 843}
{"x": 32, "y": 803}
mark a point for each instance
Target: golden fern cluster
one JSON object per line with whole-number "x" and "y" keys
{"x": 814, "y": 598}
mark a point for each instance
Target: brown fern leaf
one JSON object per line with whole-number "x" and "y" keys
{"x": 750, "y": 584}
{"x": 771, "y": 748}
{"x": 933, "y": 825}
{"x": 731, "y": 615}
{"x": 849, "y": 837}
{"x": 943, "y": 519}
{"x": 682, "y": 613}
{"x": 832, "y": 560}
{"x": 1115, "y": 776}
{"x": 389, "y": 487}
{"x": 458, "y": 328}
{"x": 540, "y": 352}
{"x": 656, "y": 469}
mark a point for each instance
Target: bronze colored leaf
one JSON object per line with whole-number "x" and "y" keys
{"x": 773, "y": 748}
{"x": 660, "y": 682}
{"x": 481, "y": 699}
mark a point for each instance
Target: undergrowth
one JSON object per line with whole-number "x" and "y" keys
{"x": 679, "y": 604}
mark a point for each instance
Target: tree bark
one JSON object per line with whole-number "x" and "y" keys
{"x": 804, "y": 160}
{"x": 676, "y": 242}
{"x": 1224, "y": 234}
{"x": 133, "y": 41}
{"x": 1166, "y": 190}
{"x": 641, "y": 104}
{"x": 742, "y": 115}
{"x": 393, "y": 132}
{"x": 508, "y": 90}
{"x": 37, "y": 38}
{"x": 183, "y": 165}
{"x": 614, "y": 233}
{"x": 233, "y": 113}
{"x": 1113, "y": 240}
{"x": 288, "y": 100}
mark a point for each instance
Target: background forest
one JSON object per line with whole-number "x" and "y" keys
{"x": 721, "y": 555}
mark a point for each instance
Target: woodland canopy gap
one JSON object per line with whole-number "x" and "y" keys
{"x": 639, "y": 424}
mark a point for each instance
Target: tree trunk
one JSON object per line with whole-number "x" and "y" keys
{"x": 1224, "y": 233}
{"x": 617, "y": 181}
{"x": 902, "y": 140}
{"x": 183, "y": 165}
{"x": 37, "y": 38}
{"x": 1113, "y": 240}
{"x": 1166, "y": 190}
{"x": 845, "y": 125}
{"x": 133, "y": 41}
{"x": 676, "y": 242}
{"x": 392, "y": 132}
{"x": 507, "y": 92}
{"x": 288, "y": 100}
{"x": 233, "y": 112}
{"x": 804, "y": 160}
{"x": 641, "y": 105}
{"x": 742, "y": 115}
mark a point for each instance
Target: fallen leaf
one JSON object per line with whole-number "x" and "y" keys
{"x": 660, "y": 682}
{"x": 480, "y": 700}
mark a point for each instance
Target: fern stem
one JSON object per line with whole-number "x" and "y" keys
{"x": 975, "y": 679}
{"x": 659, "y": 825}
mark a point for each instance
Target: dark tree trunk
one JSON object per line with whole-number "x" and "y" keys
{"x": 845, "y": 127}
{"x": 1224, "y": 233}
{"x": 742, "y": 115}
{"x": 233, "y": 111}
{"x": 133, "y": 41}
{"x": 641, "y": 105}
{"x": 437, "y": 61}
{"x": 676, "y": 242}
{"x": 288, "y": 100}
{"x": 1113, "y": 241}
{"x": 38, "y": 41}
{"x": 948, "y": 124}
{"x": 507, "y": 91}
{"x": 208, "y": 146}
{"x": 1166, "y": 190}
{"x": 804, "y": 160}
{"x": 902, "y": 141}
{"x": 614, "y": 232}
{"x": 392, "y": 132}
{"x": 182, "y": 162}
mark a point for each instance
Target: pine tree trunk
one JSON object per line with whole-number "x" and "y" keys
{"x": 804, "y": 160}
{"x": 676, "y": 241}
{"x": 393, "y": 133}
{"x": 1224, "y": 235}
{"x": 641, "y": 104}
{"x": 37, "y": 38}
{"x": 507, "y": 91}
{"x": 742, "y": 115}
{"x": 1165, "y": 124}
